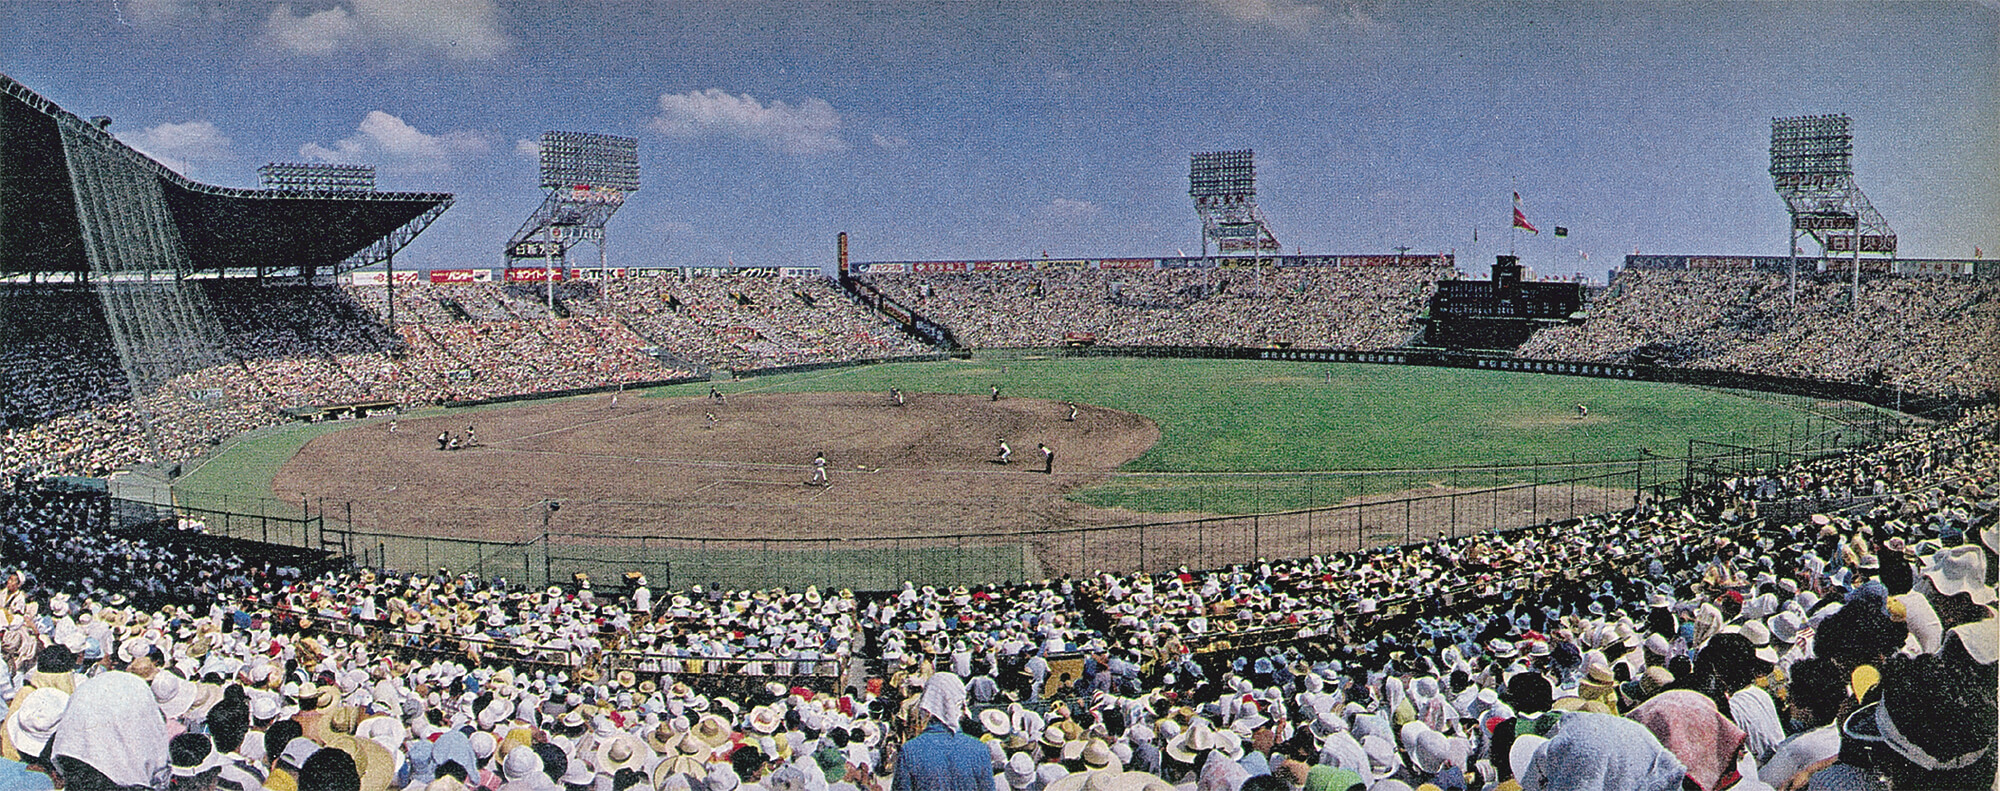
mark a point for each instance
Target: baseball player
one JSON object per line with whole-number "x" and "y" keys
{"x": 711, "y": 421}
{"x": 1582, "y": 411}
{"x": 1072, "y": 411}
{"x": 897, "y": 393}
{"x": 996, "y": 393}
{"x": 469, "y": 438}
{"x": 1006, "y": 453}
{"x": 1048, "y": 458}
{"x": 444, "y": 440}
{"x": 818, "y": 471}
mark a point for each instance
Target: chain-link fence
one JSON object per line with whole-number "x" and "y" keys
{"x": 537, "y": 553}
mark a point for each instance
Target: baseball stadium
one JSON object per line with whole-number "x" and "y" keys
{"x": 1100, "y": 483}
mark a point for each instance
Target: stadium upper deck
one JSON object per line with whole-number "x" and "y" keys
{"x": 70, "y": 192}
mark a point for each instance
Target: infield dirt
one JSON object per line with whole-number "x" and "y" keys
{"x": 659, "y": 467}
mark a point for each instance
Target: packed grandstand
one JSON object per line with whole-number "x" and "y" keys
{"x": 1825, "y": 624}
{"x": 1733, "y": 639}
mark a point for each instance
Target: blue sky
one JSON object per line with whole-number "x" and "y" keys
{"x": 964, "y": 130}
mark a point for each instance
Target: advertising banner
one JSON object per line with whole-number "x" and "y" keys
{"x": 1249, "y": 244}
{"x": 1370, "y": 260}
{"x": 800, "y": 271}
{"x": 461, "y": 276}
{"x": 1821, "y": 222}
{"x": 931, "y": 267}
{"x": 1065, "y": 263}
{"x": 584, "y": 193}
{"x": 1870, "y": 243}
{"x": 1846, "y": 265}
{"x": 532, "y": 274}
{"x": 1126, "y": 263}
{"x": 382, "y": 278}
{"x": 536, "y": 249}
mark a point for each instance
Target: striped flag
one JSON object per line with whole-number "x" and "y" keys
{"x": 1521, "y": 219}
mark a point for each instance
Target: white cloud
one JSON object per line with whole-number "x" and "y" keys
{"x": 811, "y": 127}
{"x": 457, "y": 29}
{"x": 392, "y": 144}
{"x": 179, "y": 146}
{"x": 1062, "y": 209}
{"x": 318, "y": 33}
{"x": 890, "y": 141}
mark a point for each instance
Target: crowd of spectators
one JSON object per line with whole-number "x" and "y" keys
{"x": 68, "y": 409}
{"x": 1307, "y": 306}
{"x": 1828, "y": 625}
{"x": 1923, "y": 334}
{"x": 740, "y": 323}
{"x": 56, "y": 355}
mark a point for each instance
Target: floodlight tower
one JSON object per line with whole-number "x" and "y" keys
{"x": 321, "y": 178}
{"x": 587, "y": 176}
{"x": 1224, "y": 187}
{"x": 1812, "y": 168}
{"x": 317, "y": 177}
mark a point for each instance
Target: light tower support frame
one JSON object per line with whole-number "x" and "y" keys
{"x": 1812, "y": 169}
{"x": 588, "y": 177}
{"x": 1223, "y": 185}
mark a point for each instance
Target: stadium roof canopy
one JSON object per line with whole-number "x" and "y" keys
{"x": 75, "y": 200}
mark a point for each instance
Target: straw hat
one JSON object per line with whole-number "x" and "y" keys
{"x": 1097, "y": 755}
{"x": 664, "y": 739}
{"x": 765, "y": 719}
{"x": 620, "y": 752}
{"x": 711, "y": 731}
{"x": 995, "y": 722}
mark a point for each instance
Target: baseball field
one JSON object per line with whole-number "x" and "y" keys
{"x": 1153, "y": 437}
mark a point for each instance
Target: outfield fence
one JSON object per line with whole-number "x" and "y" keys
{"x": 542, "y": 552}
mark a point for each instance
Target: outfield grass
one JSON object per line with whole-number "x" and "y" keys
{"x": 1222, "y": 418}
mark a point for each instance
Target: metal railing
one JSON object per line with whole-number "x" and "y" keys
{"x": 537, "y": 555}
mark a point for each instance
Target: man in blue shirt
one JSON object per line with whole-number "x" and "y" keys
{"x": 941, "y": 758}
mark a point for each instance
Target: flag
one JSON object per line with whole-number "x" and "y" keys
{"x": 1978, "y": 253}
{"x": 1561, "y": 231}
{"x": 1520, "y": 219}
